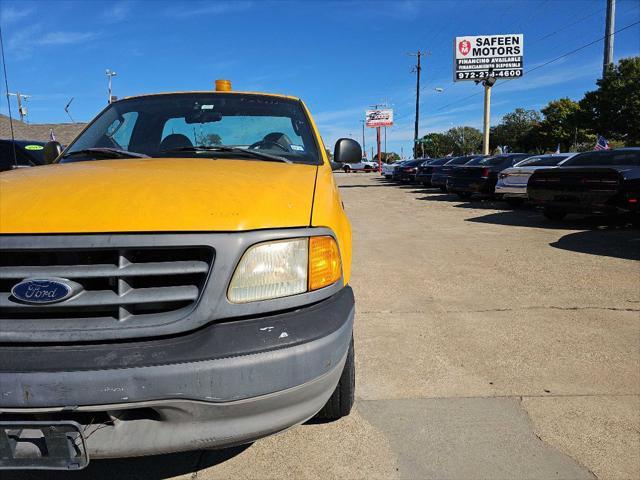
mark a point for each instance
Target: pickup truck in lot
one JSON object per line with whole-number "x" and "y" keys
{"x": 362, "y": 166}
{"x": 176, "y": 279}
{"x": 598, "y": 182}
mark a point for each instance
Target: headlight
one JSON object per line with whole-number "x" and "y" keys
{"x": 285, "y": 267}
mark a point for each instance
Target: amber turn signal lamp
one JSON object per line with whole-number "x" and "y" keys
{"x": 223, "y": 85}
{"x": 324, "y": 262}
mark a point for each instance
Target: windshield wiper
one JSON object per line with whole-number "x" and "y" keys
{"x": 242, "y": 151}
{"x": 106, "y": 152}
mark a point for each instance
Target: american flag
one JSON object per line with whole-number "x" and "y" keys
{"x": 601, "y": 144}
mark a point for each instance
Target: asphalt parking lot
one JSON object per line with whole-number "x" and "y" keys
{"x": 490, "y": 343}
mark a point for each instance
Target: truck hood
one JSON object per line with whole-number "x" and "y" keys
{"x": 156, "y": 194}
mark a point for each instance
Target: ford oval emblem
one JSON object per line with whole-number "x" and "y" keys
{"x": 39, "y": 291}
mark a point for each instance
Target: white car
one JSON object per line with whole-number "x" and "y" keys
{"x": 512, "y": 182}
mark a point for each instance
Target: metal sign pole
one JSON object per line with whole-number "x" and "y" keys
{"x": 487, "y": 116}
{"x": 379, "y": 154}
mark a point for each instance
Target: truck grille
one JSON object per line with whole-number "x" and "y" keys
{"x": 120, "y": 284}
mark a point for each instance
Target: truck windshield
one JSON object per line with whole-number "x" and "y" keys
{"x": 175, "y": 125}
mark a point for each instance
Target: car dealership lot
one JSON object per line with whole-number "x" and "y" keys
{"x": 490, "y": 343}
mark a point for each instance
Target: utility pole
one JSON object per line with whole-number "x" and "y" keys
{"x": 110, "y": 74}
{"x": 417, "y": 69}
{"x": 608, "y": 35}
{"x": 364, "y": 145}
{"x": 22, "y": 110}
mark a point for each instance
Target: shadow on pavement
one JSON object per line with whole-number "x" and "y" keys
{"x": 361, "y": 186}
{"x": 616, "y": 243}
{"x": 486, "y": 204}
{"x": 442, "y": 197}
{"x": 157, "y": 467}
{"x": 524, "y": 217}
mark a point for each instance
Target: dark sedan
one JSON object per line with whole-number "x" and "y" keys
{"x": 407, "y": 172}
{"x": 482, "y": 177}
{"x": 425, "y": 170}
{"x": 598, "y": 182}
{"x": 444, "y": 171}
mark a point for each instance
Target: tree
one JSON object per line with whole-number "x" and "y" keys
{"x": 518, "y": 130}
{"x": 329, "y": 154}
{"x": 435, "y": 145}
{"x": 613, "y": 110}
{"x": 387, "y": 157}
{"x": 561, "y": 126}
{"x": 208, "y": 139}
{"x": 465, "y": 140}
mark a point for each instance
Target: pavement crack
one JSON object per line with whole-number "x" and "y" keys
{"x": 532, "y": 428}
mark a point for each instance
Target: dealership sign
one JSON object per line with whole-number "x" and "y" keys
{"x": 379, "y": 118}
{"x": 474, "y": 57}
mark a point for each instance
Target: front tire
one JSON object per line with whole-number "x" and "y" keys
{"x": 342, "y": 398}
{"x": 347, "y": 169}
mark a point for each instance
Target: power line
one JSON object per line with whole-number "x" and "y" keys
{"x": 534, "y": 42}
{"x": 576, "y": 50}
{"x": 551, "y": 34}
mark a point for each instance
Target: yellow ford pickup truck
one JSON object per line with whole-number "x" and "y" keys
{"x": 177, "y": 278}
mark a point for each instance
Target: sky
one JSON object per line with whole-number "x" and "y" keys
{"x": 339, "y": 57}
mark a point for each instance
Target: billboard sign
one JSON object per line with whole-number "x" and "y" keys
{"x": 474, "y": 56}
{"x": 379, "y": 118}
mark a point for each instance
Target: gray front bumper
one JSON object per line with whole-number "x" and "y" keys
{"x": 182, "y": 406}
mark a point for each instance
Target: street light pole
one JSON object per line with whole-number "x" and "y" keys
{"x": 364, "y": 145}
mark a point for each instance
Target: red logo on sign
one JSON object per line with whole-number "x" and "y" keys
{"x": 464, "y": 46}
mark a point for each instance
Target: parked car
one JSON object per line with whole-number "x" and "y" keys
{"x": 481, "y": 178}
{"x": 361, "y": 166}
{"x": 425, "y": 170}
{"x": 597, "y": 182}
{"x": 28, "y": 153}
{"x": 443, "y": 172}
{"x": 512, "y": 182}
{"x": 155, "y": 300}
{"x": 387, "y": 168}
{"x": 406, "y": 173}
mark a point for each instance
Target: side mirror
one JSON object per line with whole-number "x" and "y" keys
{"x": 347, "y": 150}
{"x": 51, "y": 151}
